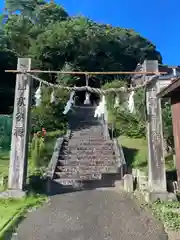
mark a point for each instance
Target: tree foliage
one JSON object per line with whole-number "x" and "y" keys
{"x": 54, "y": 40}
{"x": 134, "y": 124}
{"x": 167, "y": 123}
{"x": 50, "y": 115}
{"x": 45, "y": 32}
{"x": 121, "y": 120}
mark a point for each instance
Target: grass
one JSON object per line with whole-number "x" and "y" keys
{"x": 170, "y": 166}
{"x": 47, "y": 152}
{"x": 136, "y": 153}
{"x": 168, "y": 213}
{"x": 4, "y": 166}
{"x": 12, "y": 210}
{"x": 49, "y": 145}
{"x": 4, "y": 163}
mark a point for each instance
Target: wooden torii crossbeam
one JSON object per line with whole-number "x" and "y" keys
{"x": 84, "y": 73}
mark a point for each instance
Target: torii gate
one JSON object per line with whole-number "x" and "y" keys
{"x": 21, "y": 116}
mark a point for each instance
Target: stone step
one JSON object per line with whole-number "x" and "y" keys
{"x": 84, "y": 112}
{"x": 88, "y": 119}
{"x": 93, "y": 158}
{"x": 89, "y": 145}
{"x": 86, "y": 154}
{"x": 86, "y": 158}
{"x": 68, "y": 182}
{"x": 88, "y": 106}
{"x": 87, "y": 128}
{"x": 88, "y": 169}
{"x": 89, "y": 142}
{"x": 86, "y": 141}
{"x": 88, "y": 135}
{"x": 89, "y": 148}
{"x": 90, "y": 152}
{"x": 97, "y": 126}
{"x": 93, "y": 148}
{"x": 89, "y": 115}
{"x": 77, "y": 176}
{"x": 88, "y": 122}
{"x": 88, "y": 138}
{"x": 87, "y": 163}
{"x": 81, "y": 129}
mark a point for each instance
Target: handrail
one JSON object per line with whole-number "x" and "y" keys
{"x": 119, "y": 150}
{"x": 55, "y": 156}
{"x": 119, "y": 147}
{"x": 116, "y": 145}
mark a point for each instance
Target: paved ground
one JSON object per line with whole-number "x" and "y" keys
{"x": 174, "y": 235}
{"x": 90, "y": 215}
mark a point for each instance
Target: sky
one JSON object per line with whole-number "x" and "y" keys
{"x": 156, "y": 20}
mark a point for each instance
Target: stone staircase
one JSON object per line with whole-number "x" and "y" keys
{"x": 86, "y": 157}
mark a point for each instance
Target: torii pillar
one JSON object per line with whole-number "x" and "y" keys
{"x": 20, "y": 130}
{"x": 157, "y": 187}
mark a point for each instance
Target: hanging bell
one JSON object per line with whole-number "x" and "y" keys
{"x": 38, "y": 96}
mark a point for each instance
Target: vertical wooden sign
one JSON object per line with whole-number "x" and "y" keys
{"x": 21, "y": 115}
{"x": 156, "y": 163}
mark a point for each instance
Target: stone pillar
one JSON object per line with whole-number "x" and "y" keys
{"x": 20, "y": 128}
{"x": 156, "y": 163}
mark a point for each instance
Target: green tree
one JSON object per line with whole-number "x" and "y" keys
{"x": 17, "y": 28}
{"x": 25, "y": 7}
{"x": 90, "y": 47}
{"x": 45, "y": 32}
{"x": 49, "y": 13}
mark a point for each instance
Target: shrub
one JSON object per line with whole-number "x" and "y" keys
{"x": 50, "y": 115}
{"x": 37, "y": 149}
{"x": 134, "y": 125}
{"x": 36, "y": 181}
{"x": 121, "y": 120}
{"x": 41, "y": 148}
